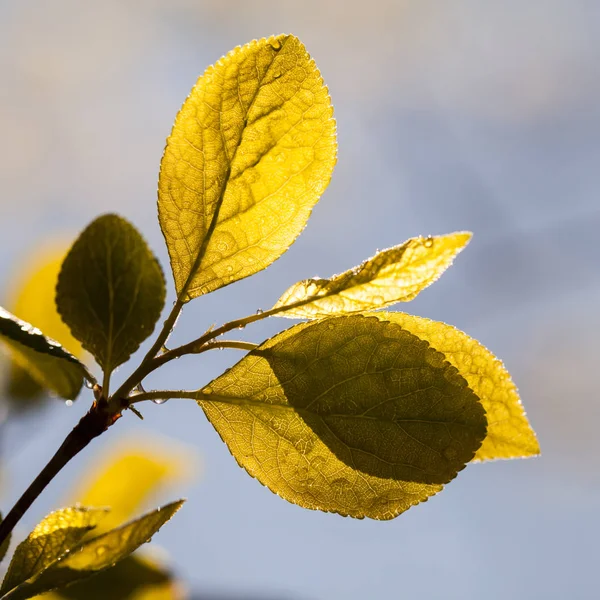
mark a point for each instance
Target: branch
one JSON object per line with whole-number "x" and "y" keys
{"x": 97, "y": 420}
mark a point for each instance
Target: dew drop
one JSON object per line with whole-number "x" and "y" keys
{"x": 207, "y": 391}
{"x": 242, "y": 326}
{"x": 88, "y": 384}
{"x": 160, "y": 400}
{"x": 139, "y": 389}
{"x": 68, "y": 402}
{"x": 277, "y": 75}
{"x": 260, "y": 311}
{"x": 428, "y": 242}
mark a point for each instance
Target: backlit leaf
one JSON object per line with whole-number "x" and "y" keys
{"x": 348, "y": 415}
{"x": 251, "y": 151}
{"x": 32, "y": 298}
{"x": 509, "y": 433}
{"x": 96, "y": 554}
{"x": 52, "y": 537}
{"x": 42, "y": 357}
{"x": 397, "y": 274}
{"x": 111, "y": 290}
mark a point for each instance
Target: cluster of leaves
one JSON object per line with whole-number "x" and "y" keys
{"x": 47, "y": 558}
{"x": 355, "y": 410}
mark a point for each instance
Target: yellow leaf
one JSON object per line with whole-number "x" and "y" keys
{"x": 397, "y": 274}
{"x": 50, "y": 539}
{"x": 346, "y": 416}
{"x": 509, "y": 433}
{"x": 130, "y": 476}
{"x": 251, "y": 151}
{"x": 34, "y": 296}
{"x": 31, "y": 298}
{"x": 94, "y": 556}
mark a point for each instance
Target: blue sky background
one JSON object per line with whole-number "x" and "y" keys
{"x": 451, "y": 115}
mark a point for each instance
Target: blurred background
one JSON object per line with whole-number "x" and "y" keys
{"x": 457, "y": 115}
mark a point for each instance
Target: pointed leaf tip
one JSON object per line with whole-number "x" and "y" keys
{"x": 394, "y": 275}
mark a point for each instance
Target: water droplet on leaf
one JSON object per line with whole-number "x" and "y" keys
{"x": 159, "y": 400}
{"x": 428, "y": 242}
{"x": 68, "y": 402}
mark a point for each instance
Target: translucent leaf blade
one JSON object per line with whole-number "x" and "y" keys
{"x": 51, "y": 539}
{"x": 345, "y": 416}
{"x": 251, "y": 152}
{"x": 397, "y": 274}
{"x": 42, "y": 357}
{"x": 97, "y": 554}
{"x": 111, "y": 290}
{"x": 509, "y": 433}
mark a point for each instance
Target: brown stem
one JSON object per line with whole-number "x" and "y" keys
{"x": 92, "y": 424}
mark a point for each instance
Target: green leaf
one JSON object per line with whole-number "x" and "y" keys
{"x": 349, "y": 415}
{"x": 111, "y": 290}
{"x": 5, "y": 544}
{"x": 131, "y": 578}
{"x": 42, "y": 357}
{"x": 95, "y": 555}
{"x": 251, "y": 152}
{"x": 397, "y": 274}
{"x": 51, "y": 539}
{"x": 509, "y": 434}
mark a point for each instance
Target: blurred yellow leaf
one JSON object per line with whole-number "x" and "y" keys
{"x": 33, "y": 296}
{"x": 95, "y": 555}
{"x": 397, "y": 274}
{"x": 509, "y": 433}
{"x": 347, "y": 416}
{"x": 50, "y": 539}
{"x": 251, "y": 152}
{"x": 130, "y": 476}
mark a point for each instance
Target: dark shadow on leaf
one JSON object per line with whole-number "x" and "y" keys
{"x": 380, "y": 399}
